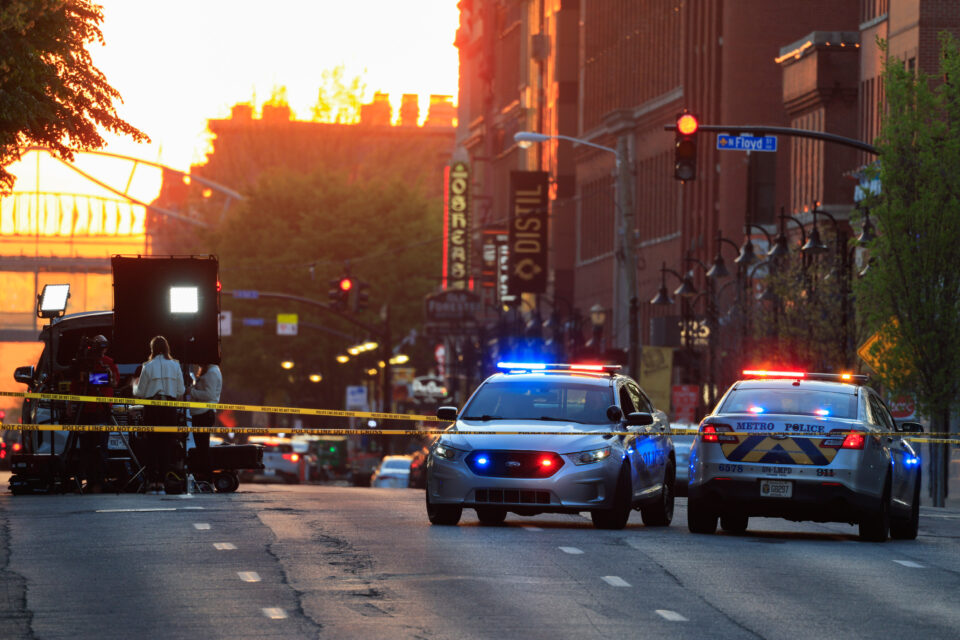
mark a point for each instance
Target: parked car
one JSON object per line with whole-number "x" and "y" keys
{"x": 684, "y": 433}
{"x": 280, "y": 461}
{"x": 393, "y": 472}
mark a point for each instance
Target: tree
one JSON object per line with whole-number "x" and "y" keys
{"x": 911, "y": 293}
{"x": 50, "y": 93}
{"x": 293, "y": 233}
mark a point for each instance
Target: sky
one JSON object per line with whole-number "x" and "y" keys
{"x": 178, "y": 63}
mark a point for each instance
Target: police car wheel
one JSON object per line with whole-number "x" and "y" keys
{"x": 616, "y": 517}
{"x": 875, "y": 526}
{"x": 660, "y": 514}
{"x": 733, "y": 522}
{"x": 443, "y": 514}
{"x": 700, "y": 518}
{"x": 491, "y": 515}
{"x": 907, "y": 528}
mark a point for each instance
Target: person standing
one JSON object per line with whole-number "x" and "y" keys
{"x": 206, "y": 389}
{"x": 160, "y": 379}
{"x": 94, "y": 374}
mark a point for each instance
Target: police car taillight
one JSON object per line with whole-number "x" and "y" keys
{"x": 292, "y": 457}
{"x": 717, "y": 433}
{"x": 843, "y": 439}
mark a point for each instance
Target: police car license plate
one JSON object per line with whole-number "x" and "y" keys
{"x": 115, "y": 443}
{"x": 776, "y": 489}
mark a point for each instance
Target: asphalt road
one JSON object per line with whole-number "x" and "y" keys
{"x": 275, "y": 561}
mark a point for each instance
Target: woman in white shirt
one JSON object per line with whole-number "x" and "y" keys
{"x": 161, "y": 378}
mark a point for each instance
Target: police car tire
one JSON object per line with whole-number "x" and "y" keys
{"x": 875, "y": 526}
{"x": 700, "y": 518}
{"x": 616, "y": 516}
{"x": 734, "y": 522}
{"x": 660, "y": 514}
{"x": 907, "y": 528}
{"x": 491, "y": 515}
{"x": 443, "y": 514}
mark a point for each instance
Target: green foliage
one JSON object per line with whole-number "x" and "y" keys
{"x": 800, "y": 325}
{"x": 912, "y": 290}
{"x": 292, "y": 234}
{"x": 50, "y": 92}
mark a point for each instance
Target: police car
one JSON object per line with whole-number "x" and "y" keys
{"x": 540, "y": 438}
{"x": 803, "y": 446}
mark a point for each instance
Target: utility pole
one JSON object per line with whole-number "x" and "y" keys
{"x": 627, "y": 307}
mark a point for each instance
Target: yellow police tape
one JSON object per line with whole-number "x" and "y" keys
{"x": 946, "y": 438}
{"x": 329, "y": 413}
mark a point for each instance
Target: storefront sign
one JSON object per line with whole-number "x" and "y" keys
{"x": 456, "y": 227}
{"x": 528, "y": 232}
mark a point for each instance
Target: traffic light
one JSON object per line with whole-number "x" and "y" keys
{"x": 361, "y": 297}
{"x": 685, "y": 150}
{"x": 339, "y": 293}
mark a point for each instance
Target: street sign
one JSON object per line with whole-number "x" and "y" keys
{"x": 253, "y": 322}
{"x": 745, "y": 142}
{"x": 286, "y": 324}
{"x": 356, "y": 398}
{"x": 248, "y": 294}
{"x": 226, "y": 323}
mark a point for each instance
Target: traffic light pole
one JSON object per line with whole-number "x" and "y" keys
{"x": 785, "y": 131}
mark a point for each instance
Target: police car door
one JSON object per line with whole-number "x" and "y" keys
{"x": 653, "y": 447}
{"x": 639, "y": 472}
{"x": 901, "y": 487}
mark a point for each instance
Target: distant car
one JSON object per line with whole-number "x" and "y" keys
{"x": 280, "y": 461}
{"x": 683, "y": 434}
{"x": 393, "y": 472}
{"x": 583, "y": 468}
{"x": 803, "y": 446}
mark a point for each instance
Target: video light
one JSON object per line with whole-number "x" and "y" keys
{"x": 184, "y": 300}
{"x": 53, "y": 300}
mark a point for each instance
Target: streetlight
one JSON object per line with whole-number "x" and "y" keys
{"x": 287, "y": 364}
{"x": 625, "y": 284}
{"x": 342, "y": 359}
{"x": 315, "y": 377}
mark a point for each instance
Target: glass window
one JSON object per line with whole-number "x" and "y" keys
{"x": 803, "y": 402}
{"x": 626, "y": 401}
{"x": 639, "y": 400}
{"x": 880, "y": 414}
{"x": 540, "y": 400}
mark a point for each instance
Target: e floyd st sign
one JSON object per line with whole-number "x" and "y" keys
{"x": 528, "y": 232}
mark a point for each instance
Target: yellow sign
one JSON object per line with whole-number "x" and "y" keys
{"x": 875, "y": 348}
{"x": 656, "y": 373}
{"x": 286, "y": 324}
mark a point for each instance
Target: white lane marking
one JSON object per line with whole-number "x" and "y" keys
{"x": 224, "y": 546}
{"x": 136, "y": 510}
{"x": 672, "y": 616}
{"x": 201, "y": 526}
{"x": 274, "y": 613}
{"x": 186, "y": 495}
{"x": 571, "y": 550}
{"x": 616, "y": 581}
{"x": 249, "y": 576}
{"x": 534, "y": 529}
{"x": 910, "y": 563}
{"x": 193, "y": 508}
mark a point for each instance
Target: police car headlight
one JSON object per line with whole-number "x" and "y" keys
{"x": 446, "y": 452}
{"x": 589, "y": 457}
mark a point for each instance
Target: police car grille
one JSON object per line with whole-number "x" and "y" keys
{"x": 512, "y": 496}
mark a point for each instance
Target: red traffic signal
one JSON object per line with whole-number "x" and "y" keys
{"x": 687, "y": 124}
{"x": 346, "y": 284}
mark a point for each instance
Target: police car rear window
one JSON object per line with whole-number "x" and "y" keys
{"x": 791, "y": 402}
{"x": 541, "y": 400}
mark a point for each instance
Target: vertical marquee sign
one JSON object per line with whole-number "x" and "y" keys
{"x": 528, "y": 232}
{"x": 456, "y": 226}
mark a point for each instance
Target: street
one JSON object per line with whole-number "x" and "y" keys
{"x": 278, "y": 561}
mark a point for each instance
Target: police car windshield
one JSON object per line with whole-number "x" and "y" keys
{"x": 553, "y": 400}
{"x": 791, "y": 401}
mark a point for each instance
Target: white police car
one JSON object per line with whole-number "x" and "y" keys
{"x": 802, "y": 446}
{"x": 539, "y": 438}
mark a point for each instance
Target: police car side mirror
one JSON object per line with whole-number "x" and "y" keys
{"x": 911, "y": 427}
{"x": 614, "y": 414}
{"x": 24, "y": 375}
{"x": 447, "y": 413}
{"x": 639, "y": 419}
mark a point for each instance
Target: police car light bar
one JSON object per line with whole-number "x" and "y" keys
{"x": 542, "y": 366}
{"x": 835, "y": 377}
